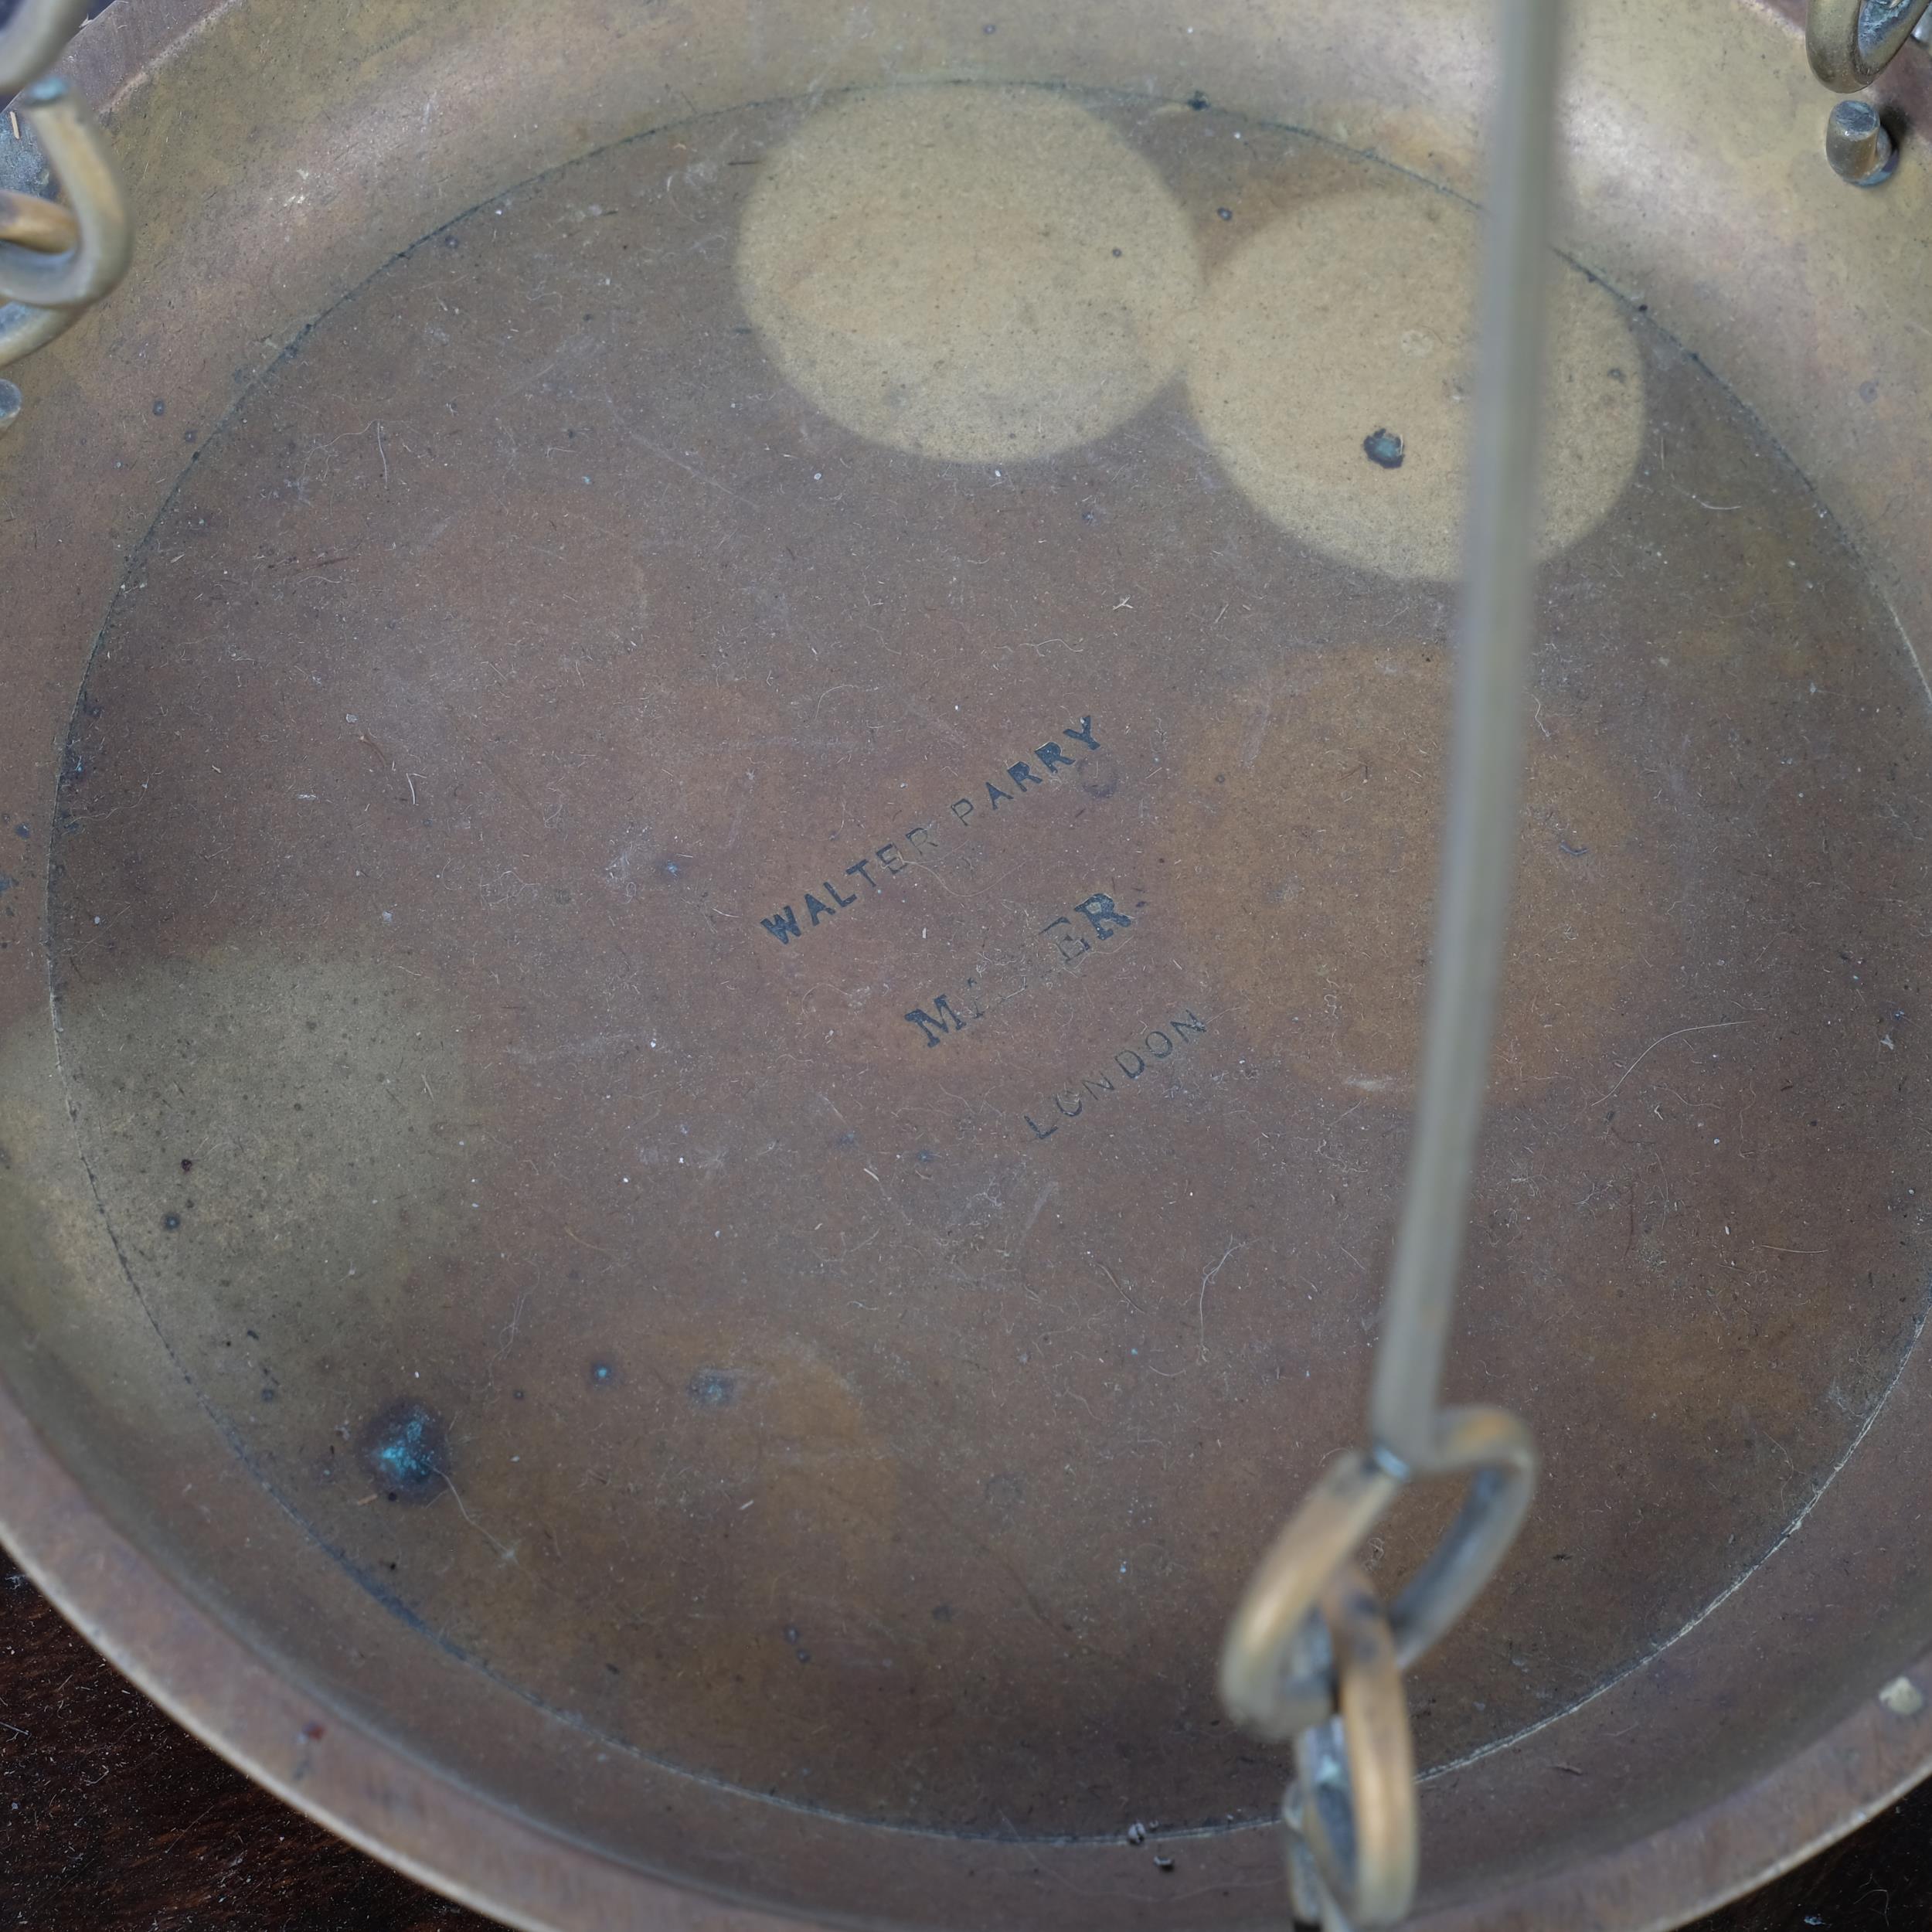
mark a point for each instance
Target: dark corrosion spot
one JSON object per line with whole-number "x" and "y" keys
{"x": 1099, "y": 776}
{"x": 314, "y": 1732}
{"x": 1005, "y": 1491}
{"x": 187, "y": 1164}
{"x": 942, "y": 1614}
{"x": 1227, "y": 214}
{"x": 1383, "y": 448}
{"x": 405, "y": 1448}
{"x": 160, "y": 408}
{"x": 1197, "y": 101}
{"x": 170, "y": 1222}
{"x": 712, "y": 1388}
{"x": 603, "y": 1374}
{"x": 268, "y": 1395}
{"x": 21, "y": 831}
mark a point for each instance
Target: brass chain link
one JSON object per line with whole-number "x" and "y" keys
{"x": 56, "y": 261}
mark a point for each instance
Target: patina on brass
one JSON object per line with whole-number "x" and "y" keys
{"x": 821, "y": 1461}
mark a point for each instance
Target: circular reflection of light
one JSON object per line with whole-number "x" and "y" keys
{"x": 967, "y": 273}
{"x": 1333, "y": 370}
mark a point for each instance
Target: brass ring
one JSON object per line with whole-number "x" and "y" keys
{"x": 1851, "y": 43}
{"x": 42, "y": 225}
{"x": 31, "y": 41}
{"x": 1498, "y": 1454}
{"x": 77, "y": 277}
{"x": 1355, "y": 1771}
{"x": 1267, "y": 1685}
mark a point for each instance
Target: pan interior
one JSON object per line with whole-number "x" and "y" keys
{"x": 739, "y": 905}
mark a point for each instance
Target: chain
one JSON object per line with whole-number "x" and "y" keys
{"x": 1312, "y": 1654}
{"x": 55, "y": 261}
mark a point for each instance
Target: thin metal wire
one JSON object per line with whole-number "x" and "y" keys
{"x": 1492, "y": 643}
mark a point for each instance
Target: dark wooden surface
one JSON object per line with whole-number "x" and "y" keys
{"x": 112, "y": 1819}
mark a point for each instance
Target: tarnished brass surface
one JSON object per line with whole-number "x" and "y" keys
{"x": 822, "y": 1460}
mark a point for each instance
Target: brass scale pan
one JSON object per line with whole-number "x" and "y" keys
{"x": 718, "y": 806}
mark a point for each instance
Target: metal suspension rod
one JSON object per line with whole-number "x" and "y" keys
{"x": 1485, "y": 769}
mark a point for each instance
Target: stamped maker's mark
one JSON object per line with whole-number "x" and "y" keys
{"x": 1158, "y": 1043}
{"x": 921, "y": 841}
{"x": 1068, "y": 944}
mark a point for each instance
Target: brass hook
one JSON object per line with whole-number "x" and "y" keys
{"x": 36, "y": 224}
{"x": 47, "y": 227}
{"x": 80, "y": 275}
{"x": 1851, "y": 43}
{"x": 31, "y": 41}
